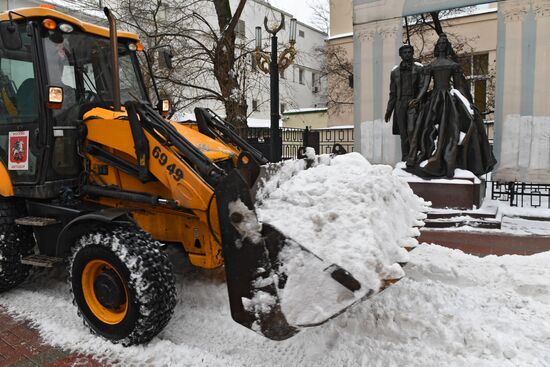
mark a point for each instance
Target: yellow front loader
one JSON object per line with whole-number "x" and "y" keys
{"x": 92, "y": 173}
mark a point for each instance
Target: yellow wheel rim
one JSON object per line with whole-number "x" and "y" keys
{"x": 90, "y": 274}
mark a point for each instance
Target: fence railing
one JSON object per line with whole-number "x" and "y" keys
{"x": 521, "y": 194}
{"x": 322, "y": 140}
{"x": 329, "y": 137}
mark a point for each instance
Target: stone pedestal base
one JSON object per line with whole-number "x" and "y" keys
{"x": 465, "y": 191}
{"x": 457, "y": 194}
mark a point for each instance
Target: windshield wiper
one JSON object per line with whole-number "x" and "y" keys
{"x": 89, "y": 84}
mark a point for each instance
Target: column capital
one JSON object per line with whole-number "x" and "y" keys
{"x": 389, "y": 28}
{"x": 366, "y": 32}
{"x": 541, "y": 8}
{"x": 514, "y": 10}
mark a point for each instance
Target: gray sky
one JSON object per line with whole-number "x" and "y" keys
{"x": 299, "y": 8}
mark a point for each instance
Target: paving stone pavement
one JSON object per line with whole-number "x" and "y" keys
{"x": 21, "y": 346}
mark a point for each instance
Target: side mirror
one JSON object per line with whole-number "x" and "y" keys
{"x": 10, "y": 35}
{"x": 164, "y": 107}
{"x": 167, "y": 56}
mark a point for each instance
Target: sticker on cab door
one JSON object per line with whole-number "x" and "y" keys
{"x": 18, "y": 151}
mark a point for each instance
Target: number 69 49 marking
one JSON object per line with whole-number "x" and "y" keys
{"x": 175, "y": 173}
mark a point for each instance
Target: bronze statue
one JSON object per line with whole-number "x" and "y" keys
{"x": 449, "y": 131}
{"x": 405, "y": 84}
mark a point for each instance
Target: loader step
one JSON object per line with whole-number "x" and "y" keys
{"x": 41, "y": 261}
{"x": 36, "y": 221}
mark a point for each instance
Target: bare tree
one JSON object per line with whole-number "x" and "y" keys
{"x": 210, "y": 58}
{"x": 421, "y": 27}
{"x": 337, "y": 69}
{"x": 320, "y": 14}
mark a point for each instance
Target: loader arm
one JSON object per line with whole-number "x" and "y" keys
{"x": 172, "y": 162}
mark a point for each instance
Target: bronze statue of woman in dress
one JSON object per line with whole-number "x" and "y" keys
{"x": 449, "y": 131}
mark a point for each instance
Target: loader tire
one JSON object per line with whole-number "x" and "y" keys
{"x": 123, "y": 284}
{"x": 15, "y": 243}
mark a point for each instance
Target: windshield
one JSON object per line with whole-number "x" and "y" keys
{"x": 80, "y": 63}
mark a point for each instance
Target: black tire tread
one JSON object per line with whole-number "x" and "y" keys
{"x": 15, "y": 243}
{"x": 152, "y": 278}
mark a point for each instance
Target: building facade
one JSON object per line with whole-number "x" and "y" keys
{"x": 507, "y": 43}
{"x": 300, "y": 84}
{"x": 476, "y": 31}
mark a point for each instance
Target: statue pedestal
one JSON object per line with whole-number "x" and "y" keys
{"x": 464, "y": 191}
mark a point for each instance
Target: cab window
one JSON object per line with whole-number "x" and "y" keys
{"x": 18, "y": 91}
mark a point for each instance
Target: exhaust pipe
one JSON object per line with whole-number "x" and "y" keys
{"x": 114, "y": 57}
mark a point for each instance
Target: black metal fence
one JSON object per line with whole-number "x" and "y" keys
{"x": 521, "y": 194}
{"x": 329, "y": 137}
{"x": 322, "y": 140}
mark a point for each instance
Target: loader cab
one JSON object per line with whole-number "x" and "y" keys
{"x": 60, "y": 71}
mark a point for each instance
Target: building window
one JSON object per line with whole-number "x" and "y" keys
{"x": 240, "y": 29}
{"x": 283, "y": 108}
{"x": 301, "y": 34}
{"x": 476, "y": 70}
{"x": 301, "y": 76}
{"x": 314, "y": 82}
{"x": 254, "y": 105}
{"x": 282, "y": 74}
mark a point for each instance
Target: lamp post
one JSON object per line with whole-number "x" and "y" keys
{"x": 271, "y": 64}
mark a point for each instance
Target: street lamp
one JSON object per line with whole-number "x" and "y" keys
{"x": 271, "y": 64}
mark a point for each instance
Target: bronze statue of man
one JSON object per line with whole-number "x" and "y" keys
{"x": 405, "y": 84}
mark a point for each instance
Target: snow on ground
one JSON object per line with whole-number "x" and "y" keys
{"x": 452, "y": 309}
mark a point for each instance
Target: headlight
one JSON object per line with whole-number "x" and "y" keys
{"x": 66, "y": 28}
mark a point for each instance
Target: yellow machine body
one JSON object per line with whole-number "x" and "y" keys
{"x": 190, "y": 229}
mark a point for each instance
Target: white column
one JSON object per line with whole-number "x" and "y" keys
{"x": 541, "y": 8}
{"x": 366, "y": 34}
{"x": 392, "y": 36}
{"x": 514, "y": 12}
{"x": 513, "y": 126}
{"x": 539, "y": 167}
{"x": 378, "y": 144}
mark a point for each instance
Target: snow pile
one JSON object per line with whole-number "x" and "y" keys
{"x": 461, "y": 176}
{"x": 452, "y": 309}
{"x": 347, "y": 212}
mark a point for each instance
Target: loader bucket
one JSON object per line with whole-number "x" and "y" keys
{"x": 276, "y": 286}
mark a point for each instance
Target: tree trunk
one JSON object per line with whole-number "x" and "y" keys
{"x": 224, "y": 66}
